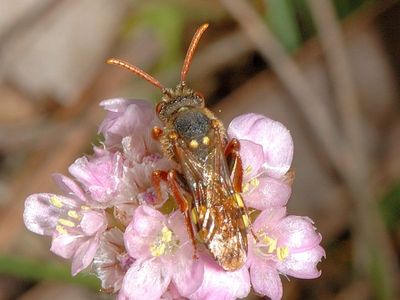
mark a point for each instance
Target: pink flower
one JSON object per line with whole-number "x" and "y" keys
{"x": 128, "y": 124}
{"x": 266, "y": 152}
{"x": 287, "y": 245}
{"x": 163, "y": 256}
{"x": 111, "y": 261}
{"x": 219, "y": 284}
{"x": 100, "y": 174}
{"x": 74, "y": 226}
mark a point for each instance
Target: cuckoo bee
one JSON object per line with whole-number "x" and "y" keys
{"x": 208, "y": 185}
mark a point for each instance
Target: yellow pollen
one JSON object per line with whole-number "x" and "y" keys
{"x": 206, "y": 140}
{"x": 56, "y": 202}
{"x": 73, "y": 214}
{"x": 239, "y": 200}
{"x": 245, "y": 187}
{"x": 67, "y": 223}
{"x": 245, "y": 220}
{"x": 157, "y": 249}
{"x": 84, "y": 207}
{"x": 271, "y": 243}
{"x": 254, "y": 182}
{"x": 61, "y": 230}
{"x": 193, "y": 144}
{"x": 248, "y": 170}
{"x": 166, "y": 235}
{"x": 282, "y": 253}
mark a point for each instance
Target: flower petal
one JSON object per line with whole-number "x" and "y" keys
{"x": 93, "y": 222}
{"x": 303, "y": 264}
{"x": 69, "y": 187}
{"x": 252, "y": 156}
{"x": 187, "y": 273}
{"x": 221, "y": 285}
{"x": 274, "y": 138}
{"x": 297, "y": 233}
{"x": 269, "y": 218}
{"x": 265, "y": 280}
{"x": 42, "y": 212}
{"x": 65, "y": 245}
{"x": 146, "y": 279}
{"x": 84, "y": 255}
{"x": 147, "y": 221}
{"x": 269, "y": 192}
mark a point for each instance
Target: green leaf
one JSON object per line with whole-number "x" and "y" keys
{"x": 37, "y": 271}
{"x": 280, "y": 16}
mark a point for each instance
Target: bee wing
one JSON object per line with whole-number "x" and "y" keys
{"x": 216, "y": 213}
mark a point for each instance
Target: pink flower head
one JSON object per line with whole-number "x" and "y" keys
{"x": 163, "y": 255}
{"x": 219, "y": 284}
{"x": 112, "y": 261}
{"x": 287, "y": 245}
{"x": 100, "y": 175}
{"x": 267, "y": 153}
{"x": 128, "y": 124}
{"x": 74, "y": 226}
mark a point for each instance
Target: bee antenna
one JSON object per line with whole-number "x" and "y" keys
{"x": 192, "y": 48}
{"x": 137, "y": 71}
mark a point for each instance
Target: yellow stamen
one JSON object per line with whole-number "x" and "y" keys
{"x": 282, "y": 253}
{"x": 157, "y": 249}
{"x": 61, "y": 230}
{"x": 56, "y": 202}
{"x": 254, "y": 182}
{"x": 166, "y": 235}
{"x": 271, "y": 243}
{"x": 84, "y": 207}
{"x": 245, "y": 187}
{"x": 248, "y": 170}
{"x": 67, "y": 223}
{"x": 73, "y": 214}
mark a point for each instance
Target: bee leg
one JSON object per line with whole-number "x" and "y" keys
{"x": 156, "y": 133}
{"x": 235, "y": 164}
{"x": 175, "y": 185}
{"x": 156, "y": 179}
{"x": 236, "y": 167}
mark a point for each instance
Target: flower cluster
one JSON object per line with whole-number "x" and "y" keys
{"x": 110, "y": 219}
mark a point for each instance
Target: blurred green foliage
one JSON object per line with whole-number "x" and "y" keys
{"x": 37, "y": 271}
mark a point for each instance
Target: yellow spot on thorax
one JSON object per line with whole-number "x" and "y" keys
{"x": 206, "y": 140}
{"x": 67, "y": 223}
{"x": 56, "y": 202}
{"x": 193, "y": 144}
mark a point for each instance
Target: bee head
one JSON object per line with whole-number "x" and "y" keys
{"x": 177, "y": 99}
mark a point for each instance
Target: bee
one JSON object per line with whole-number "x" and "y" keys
{"x": 208, "y": 186}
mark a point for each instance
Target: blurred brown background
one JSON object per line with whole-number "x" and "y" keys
{"x": 326, "y": 69}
